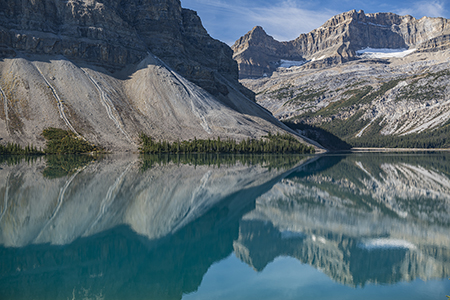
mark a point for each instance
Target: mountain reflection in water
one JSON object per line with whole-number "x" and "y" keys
{"x": 150, "y": 228}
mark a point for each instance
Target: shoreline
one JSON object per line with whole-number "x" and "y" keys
{"x": 363, "y": 150}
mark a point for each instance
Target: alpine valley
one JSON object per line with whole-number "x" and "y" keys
{"x": 374, "y": 80}
{"x": 109, "y": 70}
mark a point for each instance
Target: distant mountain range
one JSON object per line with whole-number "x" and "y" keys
{"x": 338, "y": 41}
{"x": 371, "y": 79}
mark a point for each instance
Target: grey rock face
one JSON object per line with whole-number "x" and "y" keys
{"x": 338, "y": 40}
{"x": 115, "y": 33}
{"x": 112, "y": 112}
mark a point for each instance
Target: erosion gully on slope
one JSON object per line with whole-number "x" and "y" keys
{"x": 60, "y": 104}
{"x": 109, "y": 106}
{"x": 190, "y": 92}
{"x": 5, "y": 108}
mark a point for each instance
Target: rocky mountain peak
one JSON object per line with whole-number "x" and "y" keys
{"x": 258, "y": 31}
{"x": 338, "y": 39}
{"x": 256, "y": 37}
{"x": 344, "y": 17}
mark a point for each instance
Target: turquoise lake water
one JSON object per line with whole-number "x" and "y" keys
{"x": 356, "y": 226}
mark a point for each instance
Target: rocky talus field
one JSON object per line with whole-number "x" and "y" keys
{"x": 390, "y": 88}
{"x": 109, "y": 70}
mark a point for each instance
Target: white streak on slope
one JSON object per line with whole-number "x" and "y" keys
{"x": 5, "y": 108}
{"x": 193, "y": 95}
{"x": 6, "y": 197}
{"x": 109, "y": 106}
{"x": 60, "y": 104}
{"x": 364, "y": 129}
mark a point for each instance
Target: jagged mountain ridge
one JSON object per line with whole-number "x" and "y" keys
{"x": 110, "y": 69}
{"x": 391, "y": 90}
{"x": 337, "y": 41}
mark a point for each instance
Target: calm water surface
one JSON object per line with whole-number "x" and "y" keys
{"x": 360, "y": 226}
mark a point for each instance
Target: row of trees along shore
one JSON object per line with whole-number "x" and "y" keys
{"x": 278, "y": 143}
{"x": 59, "y": 141}
{"x": 16, "y": 149}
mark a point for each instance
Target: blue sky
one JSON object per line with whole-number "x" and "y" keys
{"x": 227, "y": 20}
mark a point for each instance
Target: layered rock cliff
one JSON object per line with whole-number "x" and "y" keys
{"x": 116, "y": 33}
{"x": 337, "y": 41}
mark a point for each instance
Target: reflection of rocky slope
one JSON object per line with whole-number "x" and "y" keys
{"x": 110, "y": 193}
{"x": 356, "y": 226}
{"x": 118, "y": 263}
{"x": 71, "y": 239}
{"x": 115, "y": 231}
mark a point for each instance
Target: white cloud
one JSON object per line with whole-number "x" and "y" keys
{"x": 425, "y": 8}
{"x": 287, "y": 21}
{"x": 284, "y": 20}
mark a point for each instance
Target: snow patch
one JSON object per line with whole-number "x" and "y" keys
{"x": 384, "y": 53}
{"x": 318, "y": 239}
{"x": 385, "y": 243}
{"x": 320, "y": 58}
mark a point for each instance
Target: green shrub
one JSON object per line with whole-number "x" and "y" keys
{"x": 61, "y": 141}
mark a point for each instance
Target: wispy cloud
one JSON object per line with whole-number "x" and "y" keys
{"x": 284, "y": 20}
{"x": 287, "y": 21}
{"x": 425, "y": 8}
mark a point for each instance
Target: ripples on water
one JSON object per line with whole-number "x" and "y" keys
{"x": 225, "y": 227}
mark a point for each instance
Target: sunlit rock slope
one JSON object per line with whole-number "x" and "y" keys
{"x": 109, "y": 70}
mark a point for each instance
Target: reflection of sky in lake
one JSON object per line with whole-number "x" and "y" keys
{"x": 287, "y": 278}
{"x": 342, "y": 227}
